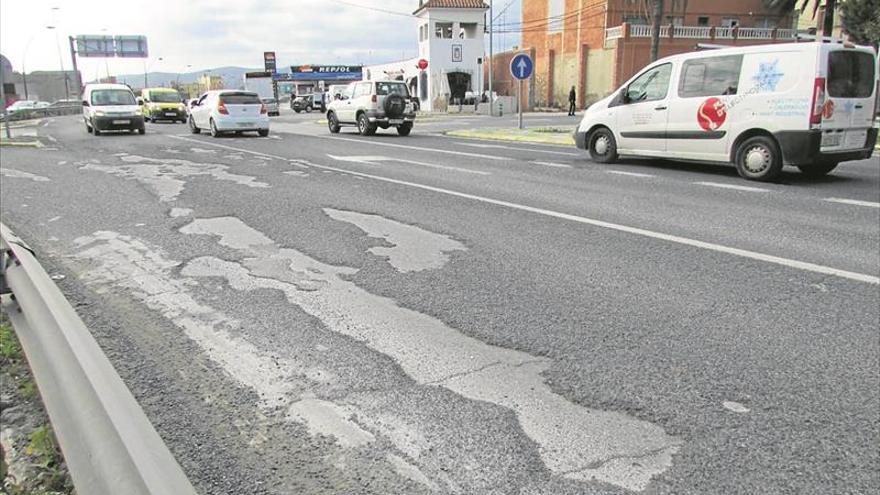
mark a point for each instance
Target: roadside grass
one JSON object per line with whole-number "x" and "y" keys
{"x": 46, "y": 471}
{"x": 539, "y": 135}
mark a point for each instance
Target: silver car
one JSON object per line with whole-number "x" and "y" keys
{"x": 272, "y": 106}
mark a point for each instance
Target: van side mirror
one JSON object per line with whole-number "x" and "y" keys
{"x": 85, "y": 103}
{"x": 624, "y": 95}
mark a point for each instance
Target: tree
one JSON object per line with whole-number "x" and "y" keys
{"x": 655, "y": 29}
{"x": 861, "y": 20}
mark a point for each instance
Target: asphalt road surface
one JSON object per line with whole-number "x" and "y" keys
{"x": 308, "y": 313}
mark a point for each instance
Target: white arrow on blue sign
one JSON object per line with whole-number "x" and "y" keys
{"x": 521, "y": 66}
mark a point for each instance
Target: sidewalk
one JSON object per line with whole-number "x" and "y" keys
{"x": 539, "y": 135}
{"x": 24, "y": 133}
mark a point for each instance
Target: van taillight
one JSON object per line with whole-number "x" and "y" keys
{"x": 375, "y": 99}
{"x": 221, "y": 108}
{"x": 818, "y": 101}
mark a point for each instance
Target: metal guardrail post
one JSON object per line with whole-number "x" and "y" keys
{"x": 109, "y": 444}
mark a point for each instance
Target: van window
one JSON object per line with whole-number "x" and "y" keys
{"x": 710, "y": 76}
{"x": 102, "y": 97}
{"x": 240, "y": 99}
{"x": 850, "y": 74}
{"x": 651, "y": 85}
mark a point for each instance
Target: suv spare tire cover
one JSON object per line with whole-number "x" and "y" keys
{"x": 394, "y": 106}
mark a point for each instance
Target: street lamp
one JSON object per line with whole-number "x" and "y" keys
{"x": 147, "y": 69}
{"x": 61, "y": 60}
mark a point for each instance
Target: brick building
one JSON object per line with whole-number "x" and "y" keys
{"x": 595, "y": 45}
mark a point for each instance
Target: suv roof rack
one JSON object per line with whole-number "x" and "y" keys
{"x": 709, "y": 46}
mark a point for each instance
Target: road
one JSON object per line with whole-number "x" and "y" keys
{"x": 308, "y": 313}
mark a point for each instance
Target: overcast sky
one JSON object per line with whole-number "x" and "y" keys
{"x": 214, "y": 33}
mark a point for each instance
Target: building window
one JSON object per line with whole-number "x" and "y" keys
{"x": 675, "y": 20}
{"x": 702, "y": 21}
{"x": 555, "y": 15}
{"x": 729, "y": 22}
{"x": 712, "y": 76}
{"x": 635, "y": 19}
{"x": 468, "y": 30}
{"x": 443, "y": 30}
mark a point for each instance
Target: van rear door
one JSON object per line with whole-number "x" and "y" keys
{"x": 848, "y": 113}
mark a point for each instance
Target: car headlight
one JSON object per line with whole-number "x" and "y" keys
{"x": 100, "y": 113}
{"x": 181, "y": 107}
{"x": 138, "y": 112}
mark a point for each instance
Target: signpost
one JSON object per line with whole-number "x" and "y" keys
{"x": 521, "y": 67}
{"x": 269, "y": 61}
{"x": 103, "y": 46}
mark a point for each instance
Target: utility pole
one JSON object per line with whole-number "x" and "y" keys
{"x": 655, "y": 29}
{"x": 76, "y": 78}
{"x": 3, "y": 102}
{"x": 491, "y": 65}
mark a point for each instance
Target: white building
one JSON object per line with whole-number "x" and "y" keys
{"x": 451, "y": 40}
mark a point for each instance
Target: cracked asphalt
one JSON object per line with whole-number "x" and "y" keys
{"x": 314, "y": 314}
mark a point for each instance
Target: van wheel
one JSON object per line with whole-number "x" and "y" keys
{"x": 88, "y": 128}
{"x": 333, "y": 123}
{"x": 602, "y": 146}
{"x": 404, "y": 129}
{"x": 758, "y": 158}
{"x": 815, "y": 170}
{"x": 193, "y": 128}
{"x": 364, "y": 126}
{"x": 263, "y": 132}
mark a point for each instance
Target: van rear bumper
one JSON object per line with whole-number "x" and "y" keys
{"x": 802, "y": 148}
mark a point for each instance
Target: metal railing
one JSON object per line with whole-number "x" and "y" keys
{"x": 37, "y": 113}
{"x": 724, "y": 33}
{"x": 754, "y": 34}
{"x": 693, "y": 32}
{"x": 108, "y": 443}
{"x": 700, "y": 32}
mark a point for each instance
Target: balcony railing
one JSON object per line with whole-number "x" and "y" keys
{"x": 700, "y": 32}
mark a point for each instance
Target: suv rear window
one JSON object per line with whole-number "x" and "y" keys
{"x": 850, "y": 74}
{"x": 240, "y": 99}
{"x": 384, "y": 89}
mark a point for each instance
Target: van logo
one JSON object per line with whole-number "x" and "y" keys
{"x": 712, "y": 114}
{"x": 828, "y": 109}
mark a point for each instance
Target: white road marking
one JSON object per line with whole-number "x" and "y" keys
{"x": 732, "y": 186}
{"x": 551, "y": 164}
{"x": 416, "y": 148}
{"x": 51, "y": 138}
{"x": 631, "y": 174}
{"x": 744, "y": 253}
{"x": 735, "y": 407}
{"x": 856, "y": 202}
{"x": 370, "y": 159}
{"x": 514, "y": 148}
{"x": 18, "y": 174}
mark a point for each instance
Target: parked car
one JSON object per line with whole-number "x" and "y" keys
{"x": 307, "y": 103}
{"x": 760, "y": 107}
{"x": 222, "y": 111}
{"x": 163, "y": 104}
{"x": 373, "y": 104}
{"x": 111, "y": 107}
{"x": 21, "y": 105}
{"x": 271, "y": 106}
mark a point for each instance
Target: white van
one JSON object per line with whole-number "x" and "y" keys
{"x": 805, "y": 104}
{"x": 111, "y": 107}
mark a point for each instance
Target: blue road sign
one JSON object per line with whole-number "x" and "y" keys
{"x": 521, "y": 66}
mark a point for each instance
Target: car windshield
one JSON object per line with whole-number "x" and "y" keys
{"x": 104, "y": 97}
{"x": 240, "y": 99}
{"x": 165, "y": 97}
{"x": 391, "y": 88}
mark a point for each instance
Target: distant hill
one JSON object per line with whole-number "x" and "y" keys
{"x": 232, "y": 77}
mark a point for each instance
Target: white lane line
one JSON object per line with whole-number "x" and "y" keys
{"x": 732, "y": 186}
{"x": 631, "y": 174}
{"x": 551, "y": 164}
{"x": 514, "y": 148}
{"x": 371, "y": 159}
{"x": 744, "y": 253}
{"x": 416, "y": 148}
{"x": 856, "y": 202}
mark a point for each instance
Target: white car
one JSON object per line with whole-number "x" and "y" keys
{"x": 227, "y": 110}
{"x": 111, "y": 107}
{"x": 760, "y": 107}
{"x": 373, "y": 104}
{"x": 21, "y": 105}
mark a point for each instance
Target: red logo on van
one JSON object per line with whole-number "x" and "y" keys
{"x": 712, "y": 114}
{"x": 828, "y": 109}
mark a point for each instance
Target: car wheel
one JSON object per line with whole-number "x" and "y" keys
{"x": 333, "y": 123}
{"x": 263, "y": 132}
{"x": 816, "y": 170}
{"x": 309, "y": 109}
{"x": 214, "y": 131}
{"x": 364, "y": 126}
{"x": 142, "y": 130}
{"x": 88, "y": 128}
{"x": 192, "y": 126}
{"x": 758, "y": 158}
{"x": 404, "y": 129}
{"x": 602, "y": 146}
{"x": 95, "y": 130}
{"x": 296, "y": 110}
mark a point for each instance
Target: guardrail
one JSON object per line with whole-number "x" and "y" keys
{"x": 109, "y": 444}
{"x": 700, "y": 32}
{"x": 36, "y": 113}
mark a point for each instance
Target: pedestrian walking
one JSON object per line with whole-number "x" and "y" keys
{"x": 572, "y": 97}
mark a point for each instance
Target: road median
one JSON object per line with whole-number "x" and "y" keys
{"x": 540, "y": 135}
